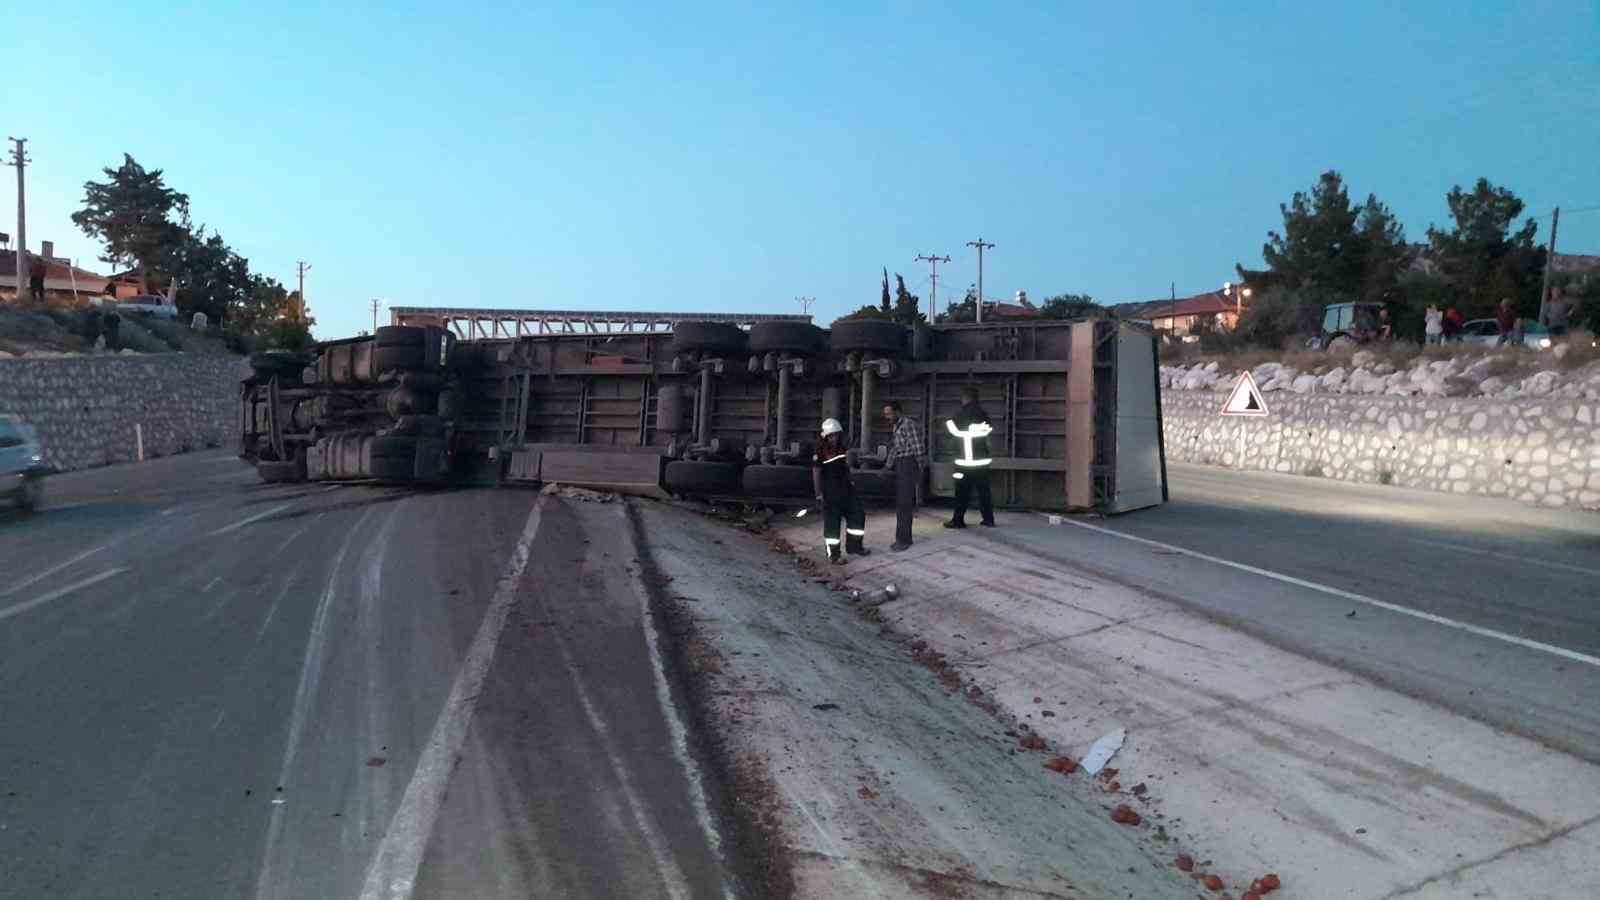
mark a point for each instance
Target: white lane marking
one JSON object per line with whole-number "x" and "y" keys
{"x": 248, "y": 519}
{"x": 209, "y": 585}
{"x": 52, "y": 570}
{"x": 220, "y": 714}
{"x": 669, "y": 710}
{"x": 1478, "y": 551}
{"x": 42, "y": 599}
{"x": 1479, "y": 630}
{"x": 392, "y": 873}
{"x": 671, "y": 876}
{"x": 305, "y": 695}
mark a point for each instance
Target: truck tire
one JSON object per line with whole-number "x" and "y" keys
{"x": 787, "y": 337}
{"x": 778, "y": 481}
{"x": 31, "y": 496}
{"x": 393, "y": 458}
{"x": 691, "y": 478}
{"x": 403, "y": 401}
{"x": 873, "y": 336}
{"x": 716, "y": 338}
{"x": 408, "y": 348}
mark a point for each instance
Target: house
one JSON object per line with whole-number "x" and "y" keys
{"x": 1022, "y": 309}
{"x": 62, "y": 280}
{"x": 1212, "y": 310}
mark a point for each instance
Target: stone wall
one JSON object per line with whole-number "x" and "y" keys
{"x": 1544, "y": 451}
{"x": 85, "y": 407}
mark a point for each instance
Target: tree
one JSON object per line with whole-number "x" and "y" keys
{"x": 884, "y": 303}
{"x": 1328, "y": 244}
{"x": 1481, "y": 258}
{"x": 907, "y": 306}
{"x": 965, "y": 311}
{"x": 211, "y": 277}
{"x": 1069, "y": 306}
{"x": 865, "y": 312}
{"x": 131, "y": 213}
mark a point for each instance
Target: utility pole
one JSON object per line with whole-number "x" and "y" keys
{"x": 19, "y": 159}
{"x": 805, "y": 304}
{"x": 1549, "y": 263}
{"x": 979, "y": 243}
{"x": 375, "y": 303}
{"x": 302, "y": 267}
{"x": 933, "y": 279}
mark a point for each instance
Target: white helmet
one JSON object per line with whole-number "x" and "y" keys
{"x": 831, "y": 426}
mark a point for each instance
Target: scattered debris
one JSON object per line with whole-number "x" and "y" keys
{"x": 1123, "y": 815}
{"x": 1350, "y": 615}
{"x": 1032, "y": 742}
{"x": 826, "y": 706}
{"x": 1066, "y": 765}
{"x": 374, "y": 762}
{"x": 578, "y": 493}
{"x": 1212, "y": 883}
{"x": 1138, "y": 790}
{"x": 1101, "y": 752}
{"x": 866, "y": 793}
{"x": 1185, "y": 863}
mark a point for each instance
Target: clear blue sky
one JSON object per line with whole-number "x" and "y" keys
{"x": 731, "y": 157}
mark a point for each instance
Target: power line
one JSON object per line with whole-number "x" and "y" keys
{"x": 933, "y": 279}
{"x": 19, "y": 160}
{"x": 805, "y": 304}
{"x": 982, "y": 246}
{"x": 375, "y": 303}
{"x": 301, "y": 268}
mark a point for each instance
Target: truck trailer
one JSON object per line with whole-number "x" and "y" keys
{"x": 709, "y": 406}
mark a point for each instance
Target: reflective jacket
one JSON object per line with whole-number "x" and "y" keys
{"x": 960, "y": 427}
{"x": 831, "y": 461}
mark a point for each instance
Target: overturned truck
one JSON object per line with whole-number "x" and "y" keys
{"x": 713, "y": 406}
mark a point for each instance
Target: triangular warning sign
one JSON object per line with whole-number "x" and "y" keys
{"x": 1245, "y": 399}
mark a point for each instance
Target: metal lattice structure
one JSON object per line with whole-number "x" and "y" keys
{"x": 490, "y": 324}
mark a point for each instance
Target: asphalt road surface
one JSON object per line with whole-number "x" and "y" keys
{"x": 211, "y": 687}
{"x": 1486, "y": 606}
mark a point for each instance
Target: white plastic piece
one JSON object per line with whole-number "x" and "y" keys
{"x": 1103, "y": 750}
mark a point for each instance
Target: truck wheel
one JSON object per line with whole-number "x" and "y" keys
{"x": 778, "y": 481}
{"x": 691, "y": 478}
{"x": 869, "y": 336}
{"x": 403, "y": 401}
{"x": 392, "y": 458}
{"x": 787, "y": 337}
{"x": 718, "y": 338}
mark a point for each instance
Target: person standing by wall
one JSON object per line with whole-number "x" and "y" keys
{"x": 1557, "y": 314}
{"x": 1452, "y": 325}
{"x": 1505, "y": 318}
{"x": 971, "y": 427}
{"x": 905, "y": 458}
{"x": 36, "y": 280}
{"x": 830, "y": 475}
{"x": 1433, "y": 325}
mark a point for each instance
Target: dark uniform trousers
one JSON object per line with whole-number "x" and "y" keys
{"x": 849, "y": 510}
{"x": 907, "y": 472}
{"x": 974, "y": 478}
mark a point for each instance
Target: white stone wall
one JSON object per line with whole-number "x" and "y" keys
{"x": 1544, "y": 451}
{"x": 85, "y": 407}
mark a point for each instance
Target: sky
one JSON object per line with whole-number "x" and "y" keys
{"x": 710, "y": 157}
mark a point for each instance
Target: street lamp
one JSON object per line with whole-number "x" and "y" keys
{"x": 1238, "y": 295}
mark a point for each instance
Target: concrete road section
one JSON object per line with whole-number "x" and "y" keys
{"x": 1485, "y": 606}
{"x": 217, "y": 688}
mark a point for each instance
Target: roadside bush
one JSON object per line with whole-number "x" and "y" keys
{"x": 1280, "y": 318}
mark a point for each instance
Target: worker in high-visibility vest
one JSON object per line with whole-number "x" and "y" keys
{"x": 830, "y": 475}
{"x": 970, "y": 426}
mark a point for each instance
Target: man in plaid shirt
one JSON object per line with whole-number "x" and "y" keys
{"x": 906, "y": 454}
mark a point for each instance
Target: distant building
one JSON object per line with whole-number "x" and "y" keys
{"x": 62, "y": 280}
{"x": 1213, "y": 310}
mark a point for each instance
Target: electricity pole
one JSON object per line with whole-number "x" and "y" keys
{"x": 375, "y": 303}
{"x": 979, "y": 243}
{"x": 933, "y": 279}
{"x": 302, "y": 267}
{"x": 1549, "y": 262}
{"x": 805, "y": 304}
{"x": 19, "y": 159}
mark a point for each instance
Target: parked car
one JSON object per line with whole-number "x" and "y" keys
{"x": 1346, "y": 325}
{"x": 1486, "y": 333}
{"x": 142, "y": 304}
{"x": 21, "y": 464}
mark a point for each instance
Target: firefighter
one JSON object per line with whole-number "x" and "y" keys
{"x": 830, "y": 475}
{"x": 971, "y": 428}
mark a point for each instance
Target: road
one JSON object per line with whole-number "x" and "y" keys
{"x": 1487, "y": 606}
{"x": 217, "y": 688}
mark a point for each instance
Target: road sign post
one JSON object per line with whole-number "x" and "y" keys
{"x": 1244, "y": 400}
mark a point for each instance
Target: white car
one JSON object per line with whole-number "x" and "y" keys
{"x": 21, "y": 463}
{"x": 1486, "y": 333}
{"x": 143, "y": 304}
